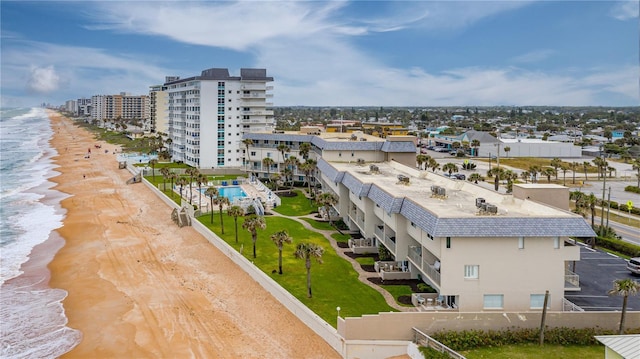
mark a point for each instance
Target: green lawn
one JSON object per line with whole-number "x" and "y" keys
{"x": 534, "y": 351}
{"x": 340, "y": 237}
{"x": 334, "y": 282}
{"x": 398, "y": 290}
{"x": 296, "y": 206}
{"x": 319, "y": 225}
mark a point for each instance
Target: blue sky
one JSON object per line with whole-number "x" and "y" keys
{"x": 338, "y": 53}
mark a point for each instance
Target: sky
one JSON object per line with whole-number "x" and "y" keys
{"x": 329, "y": 53}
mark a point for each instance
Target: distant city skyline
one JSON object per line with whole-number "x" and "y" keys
{"x": 338, "y": 53}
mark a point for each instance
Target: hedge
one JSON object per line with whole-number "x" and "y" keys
{"x": 472, "y": 339}
{"x": 619, "y": 246}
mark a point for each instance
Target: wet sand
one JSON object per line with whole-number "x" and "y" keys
{"x": 141, "y": 287}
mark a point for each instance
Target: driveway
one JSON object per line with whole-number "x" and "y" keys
{"x": 597, "y": 271}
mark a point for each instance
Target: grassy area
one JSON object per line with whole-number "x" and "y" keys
{"x": 365, "y": 260}
{"x": 160, "y": 165}
{"x": 340, "y": 237}
{"x": 397, "y": 291}
{"x": 319, "y": 225}
{"x": 141, "y": 145}
{"x": 296, "y": 206}
{"x": 534, "y": 351}
{"x": 334, "y": 282}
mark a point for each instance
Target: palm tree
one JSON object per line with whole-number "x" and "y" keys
{"x": 235, "y": 212}
{"x": 267, "y": 162}
{"x": 292, "y": 162}
{"x": 475, "y": 144}
{"x": 556, "y": 163}
{"x": 433, "y": 164}
{"x": 601, "y": 163}
{"x": 252, "y": 224}
{"x": 275, "y": 179}
{"x": 525, "y": 175}
{"x": 307, "y": 251}
{"x": 327, "y": 200}
{"x": 579, "y": 198}
{"x": 624, "y": 288}
{"x": 585, "y": 167}
{"x": 497, "y": 173}
{"x": 308, "y": 167}
{"x": 280, "y": 238}
{"x": 211, "y": 192}
{"x": 173, "y": 177}
{"x": 450, "y": 167}
{"x": 421, "y": 159}
{"x": 247, "y": 142}
{"x": 191, "y": 172}
{"x": 549, "y": 171}
{"x": 200, "y": 180}
{"x": 475, "y": 177}
{"x": 574, "y": 166}
{"x": 282, "y": 148}
{"x": 534, "y": 170}
{"x": 507, "y": 149}
{"x": 221, "y": 201}
{"x": 564, "y": 167}
{"x": 181, "y": 182}
{"x": 165, "y": 175}
{"x": 304, "y": 150}
{"x": 153, "y": 164}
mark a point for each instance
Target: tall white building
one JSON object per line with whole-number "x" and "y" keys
{"x": 208, "y": 114}
{"x": 158, "y": 120}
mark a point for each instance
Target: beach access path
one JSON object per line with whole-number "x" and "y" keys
{"x": 141, "y": 287}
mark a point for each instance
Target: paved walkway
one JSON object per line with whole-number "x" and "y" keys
{"x": 362, "y": 274}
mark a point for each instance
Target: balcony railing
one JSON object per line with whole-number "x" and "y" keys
{"x": 571, "y": 281}
{"x": 415, "y": 255}
{"x": 431, "y": 272}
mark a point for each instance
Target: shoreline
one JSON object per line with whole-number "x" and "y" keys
{"x": 140, "y": 286}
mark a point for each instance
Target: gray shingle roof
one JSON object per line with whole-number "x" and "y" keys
{"x": 393, "y": 146}
{"x": 478, "y": 226}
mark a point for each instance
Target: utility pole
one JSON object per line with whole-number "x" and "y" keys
{"x": 608, "y": 206}
{"x": 604, "y": 189}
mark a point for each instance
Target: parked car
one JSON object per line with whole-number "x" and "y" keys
{"x": 440, "y": 149}
{"x": 459, "y": 176}
{"x": 430, "y": 148}
{"x": 633, "y": 265}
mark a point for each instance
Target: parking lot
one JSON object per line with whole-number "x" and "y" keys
{"x": 597, "y": 271}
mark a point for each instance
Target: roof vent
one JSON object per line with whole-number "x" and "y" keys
{"x": 439, "y": 192}
{"x": 402, "y": 179}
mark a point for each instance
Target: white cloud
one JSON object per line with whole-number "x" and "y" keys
{"x": 43, "y": 80}
{"x": 625, "y": 10}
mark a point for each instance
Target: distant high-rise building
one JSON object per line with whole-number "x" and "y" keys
{"x": 83, "y": 107}
{"x": 124, "y": 106}
{"x": 208, "y": 114}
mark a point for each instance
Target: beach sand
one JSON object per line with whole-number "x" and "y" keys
{"x": 141, "y": 287}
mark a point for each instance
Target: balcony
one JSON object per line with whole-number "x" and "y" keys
{"x": 363, "y": 245}
{"x": 392, "y": 270}
{"x": 571, "y": 281}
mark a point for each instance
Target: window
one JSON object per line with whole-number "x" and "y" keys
{"x": 471, "y": 271}
{"x": 556, "y": 242}
{"x": 253, "y": 153}
{"x": 537, "y": 301}
{"x": 520, "y": 242}
{"x": 493, "y": 301}
{"x": 448, "y": 242}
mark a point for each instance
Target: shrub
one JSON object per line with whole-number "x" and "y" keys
{"x": 472, "y": 339}
{"x": 619, "y": 246}
{"x": 425, "y": 288}
{"x": 633, "y": 189}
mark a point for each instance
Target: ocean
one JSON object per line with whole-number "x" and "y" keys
{"x": 32, "y": 318}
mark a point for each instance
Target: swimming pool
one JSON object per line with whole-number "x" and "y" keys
{"x": 232, "y": 192}
{"x": 136, "y": 158}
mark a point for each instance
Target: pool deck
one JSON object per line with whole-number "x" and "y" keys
{"x": 248, "y": 187}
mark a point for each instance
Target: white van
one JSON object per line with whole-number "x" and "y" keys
{"x": 633, "y": 265}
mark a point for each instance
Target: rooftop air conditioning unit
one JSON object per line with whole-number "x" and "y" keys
{"x": 442, "y": 191}
{"x": 492, "y": 208}
{"x": 362, "y": 139}
{"x": 434, "y": 190}
{"x": 374, "y": 168}
{"x": 479, "y": 201}
{"x": 483, "y": 206}
{"x": 361, "y": 161}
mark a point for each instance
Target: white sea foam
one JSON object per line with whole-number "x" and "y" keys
{"x": 32, "y": 319}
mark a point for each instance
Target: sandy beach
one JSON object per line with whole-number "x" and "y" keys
{"x": 141, "y": 287}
